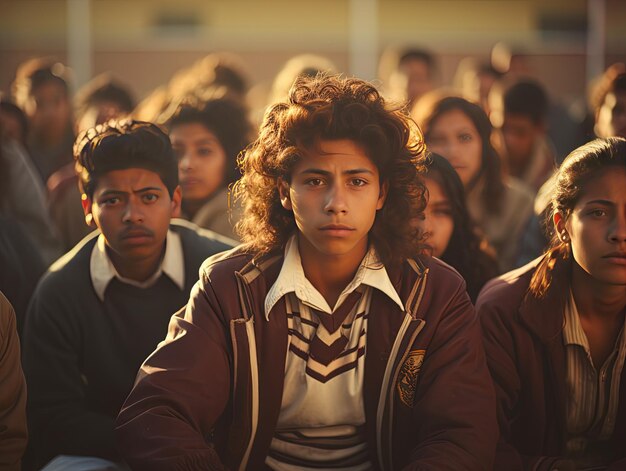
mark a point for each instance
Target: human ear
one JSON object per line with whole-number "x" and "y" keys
{"x": 559, "y": 225}
{"x": 382, "y": 196}
{"x": 177, "y": 198}
{"x": 283, "y": 191}
{"x": 87, "y": 204}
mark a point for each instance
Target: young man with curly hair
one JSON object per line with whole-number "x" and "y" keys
{"x": 325, "y": 342}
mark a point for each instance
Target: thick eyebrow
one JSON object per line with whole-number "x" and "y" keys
{"x": 319, "y": 171}
{"x": 141, "y": 190}
{"x": 601, "y": 202}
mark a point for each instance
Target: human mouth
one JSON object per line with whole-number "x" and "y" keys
{"x": 137, "y": 235}
{"x": 618, "y": 258}
{"x": 190, "y": 182}
{"x": 337, "y": 230}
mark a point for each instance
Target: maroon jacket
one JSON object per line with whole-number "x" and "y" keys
{"x": 209, "y": 396}
{"x": 523, "y": 338}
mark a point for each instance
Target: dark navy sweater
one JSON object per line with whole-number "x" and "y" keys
{"x": 81, "y": 354}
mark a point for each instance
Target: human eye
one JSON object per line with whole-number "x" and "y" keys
{"x": 314, "y": 182}
{"x": 205, "y": 151}
{"x": 597, "y": 213}
{"x": 465, "y": 137}
{"x": 358, "y": 182}
{"x": 109, "y": 201}
{"x": 150, "y": 197}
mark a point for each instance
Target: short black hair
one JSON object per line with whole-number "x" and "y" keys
{"x": 227, "y": 118}
{"x": 119, "y": 145}
{"x": 527, "y": 98}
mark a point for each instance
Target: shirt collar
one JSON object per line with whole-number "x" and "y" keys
{"x": 291, "y": 279}
{"x": 102, "y": 270}
{"x": 573, "y": 333}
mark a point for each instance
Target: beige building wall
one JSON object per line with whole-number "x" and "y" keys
{"x": 144, "y": 42}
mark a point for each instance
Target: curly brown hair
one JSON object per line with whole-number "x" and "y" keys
{"x": 330, "y": 107}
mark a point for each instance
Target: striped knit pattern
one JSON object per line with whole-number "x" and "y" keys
{"x": 593, "y": 396}
{"x": 323, "y": 388}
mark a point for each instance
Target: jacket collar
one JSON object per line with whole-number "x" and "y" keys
{"x": 545, "y": 316}
{"x": 371, "y": 272}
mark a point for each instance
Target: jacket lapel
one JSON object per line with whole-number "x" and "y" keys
{"x": 545, "y": 318}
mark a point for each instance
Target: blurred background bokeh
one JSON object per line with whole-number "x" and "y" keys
{"x": 144, "y": 42}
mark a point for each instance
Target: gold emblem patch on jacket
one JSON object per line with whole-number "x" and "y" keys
{"x": 407, "y": 379}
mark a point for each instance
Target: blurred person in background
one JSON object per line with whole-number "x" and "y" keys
{"x": 41, "y": 89}
{"x": 207, "y": 138}
{"x": 98, "y": 101}
{"x": 611, "y": 108}
{"x": 500, "y": 205}
{"x": 554, "y": 329}
{"x": 23, "y": 204}
{"x": 448, "y": 230}
{"x": 529, "y": 154}
{"x": 474, "y": 81}
{"x": 408, "y": 75}
{"x": 216, "y": 71}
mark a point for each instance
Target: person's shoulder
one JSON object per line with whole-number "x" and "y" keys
{"x": 441, "y": 274}
{"x": 71, "y": 268}
{"x": 509, "y": 289}
{"x": 195, "y": 237}
{"x": 519, "y": 191}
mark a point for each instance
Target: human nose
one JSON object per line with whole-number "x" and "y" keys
{"x": 133, "y": 213}
{"x": 617, "y": 232}
{"x": 336, "y": 200}
{"x": 185, "y": 161}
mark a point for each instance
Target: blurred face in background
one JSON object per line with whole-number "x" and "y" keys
{"x": 437, "y": 224}
{"x": 415, "y": 76}
{"x": 201, "y": 160}
{"x": 49, "y": 111}
{"x": 521, "y": 136}
{"x": 454, "y": 136}
{"x": 612, "y": 116}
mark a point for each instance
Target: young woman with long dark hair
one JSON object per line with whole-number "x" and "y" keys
{"x": 554, "y": 329}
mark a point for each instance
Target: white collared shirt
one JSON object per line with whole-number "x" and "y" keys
{"x": 102, "y": 270}
{"x": 323, "y": 389}
{"x": 291, "y": 279}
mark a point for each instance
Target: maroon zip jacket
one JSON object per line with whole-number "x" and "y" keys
{"x": 209, "y": 396}
{"x": 523, "y": 338}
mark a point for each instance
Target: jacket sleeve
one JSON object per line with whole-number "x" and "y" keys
{"x": 59, "y": 420}
{"x": 13, "y": 433}
{"x": 454, "y": 407}
{"x": 500, "y": 351}
{"x": 180, "y": 392}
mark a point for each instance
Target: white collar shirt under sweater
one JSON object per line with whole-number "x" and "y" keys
{"x": 102, "y": 270}
{"x": 322, "y": 416}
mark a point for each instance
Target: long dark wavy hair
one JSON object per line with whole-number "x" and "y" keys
{"x": 580, "y": 166}
{"x": 328, "y": 107}
{"x": 491, "y": 167}
{"x": 467, "y": 251}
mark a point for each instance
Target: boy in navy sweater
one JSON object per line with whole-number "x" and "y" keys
{"x": 104, "y": 306}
